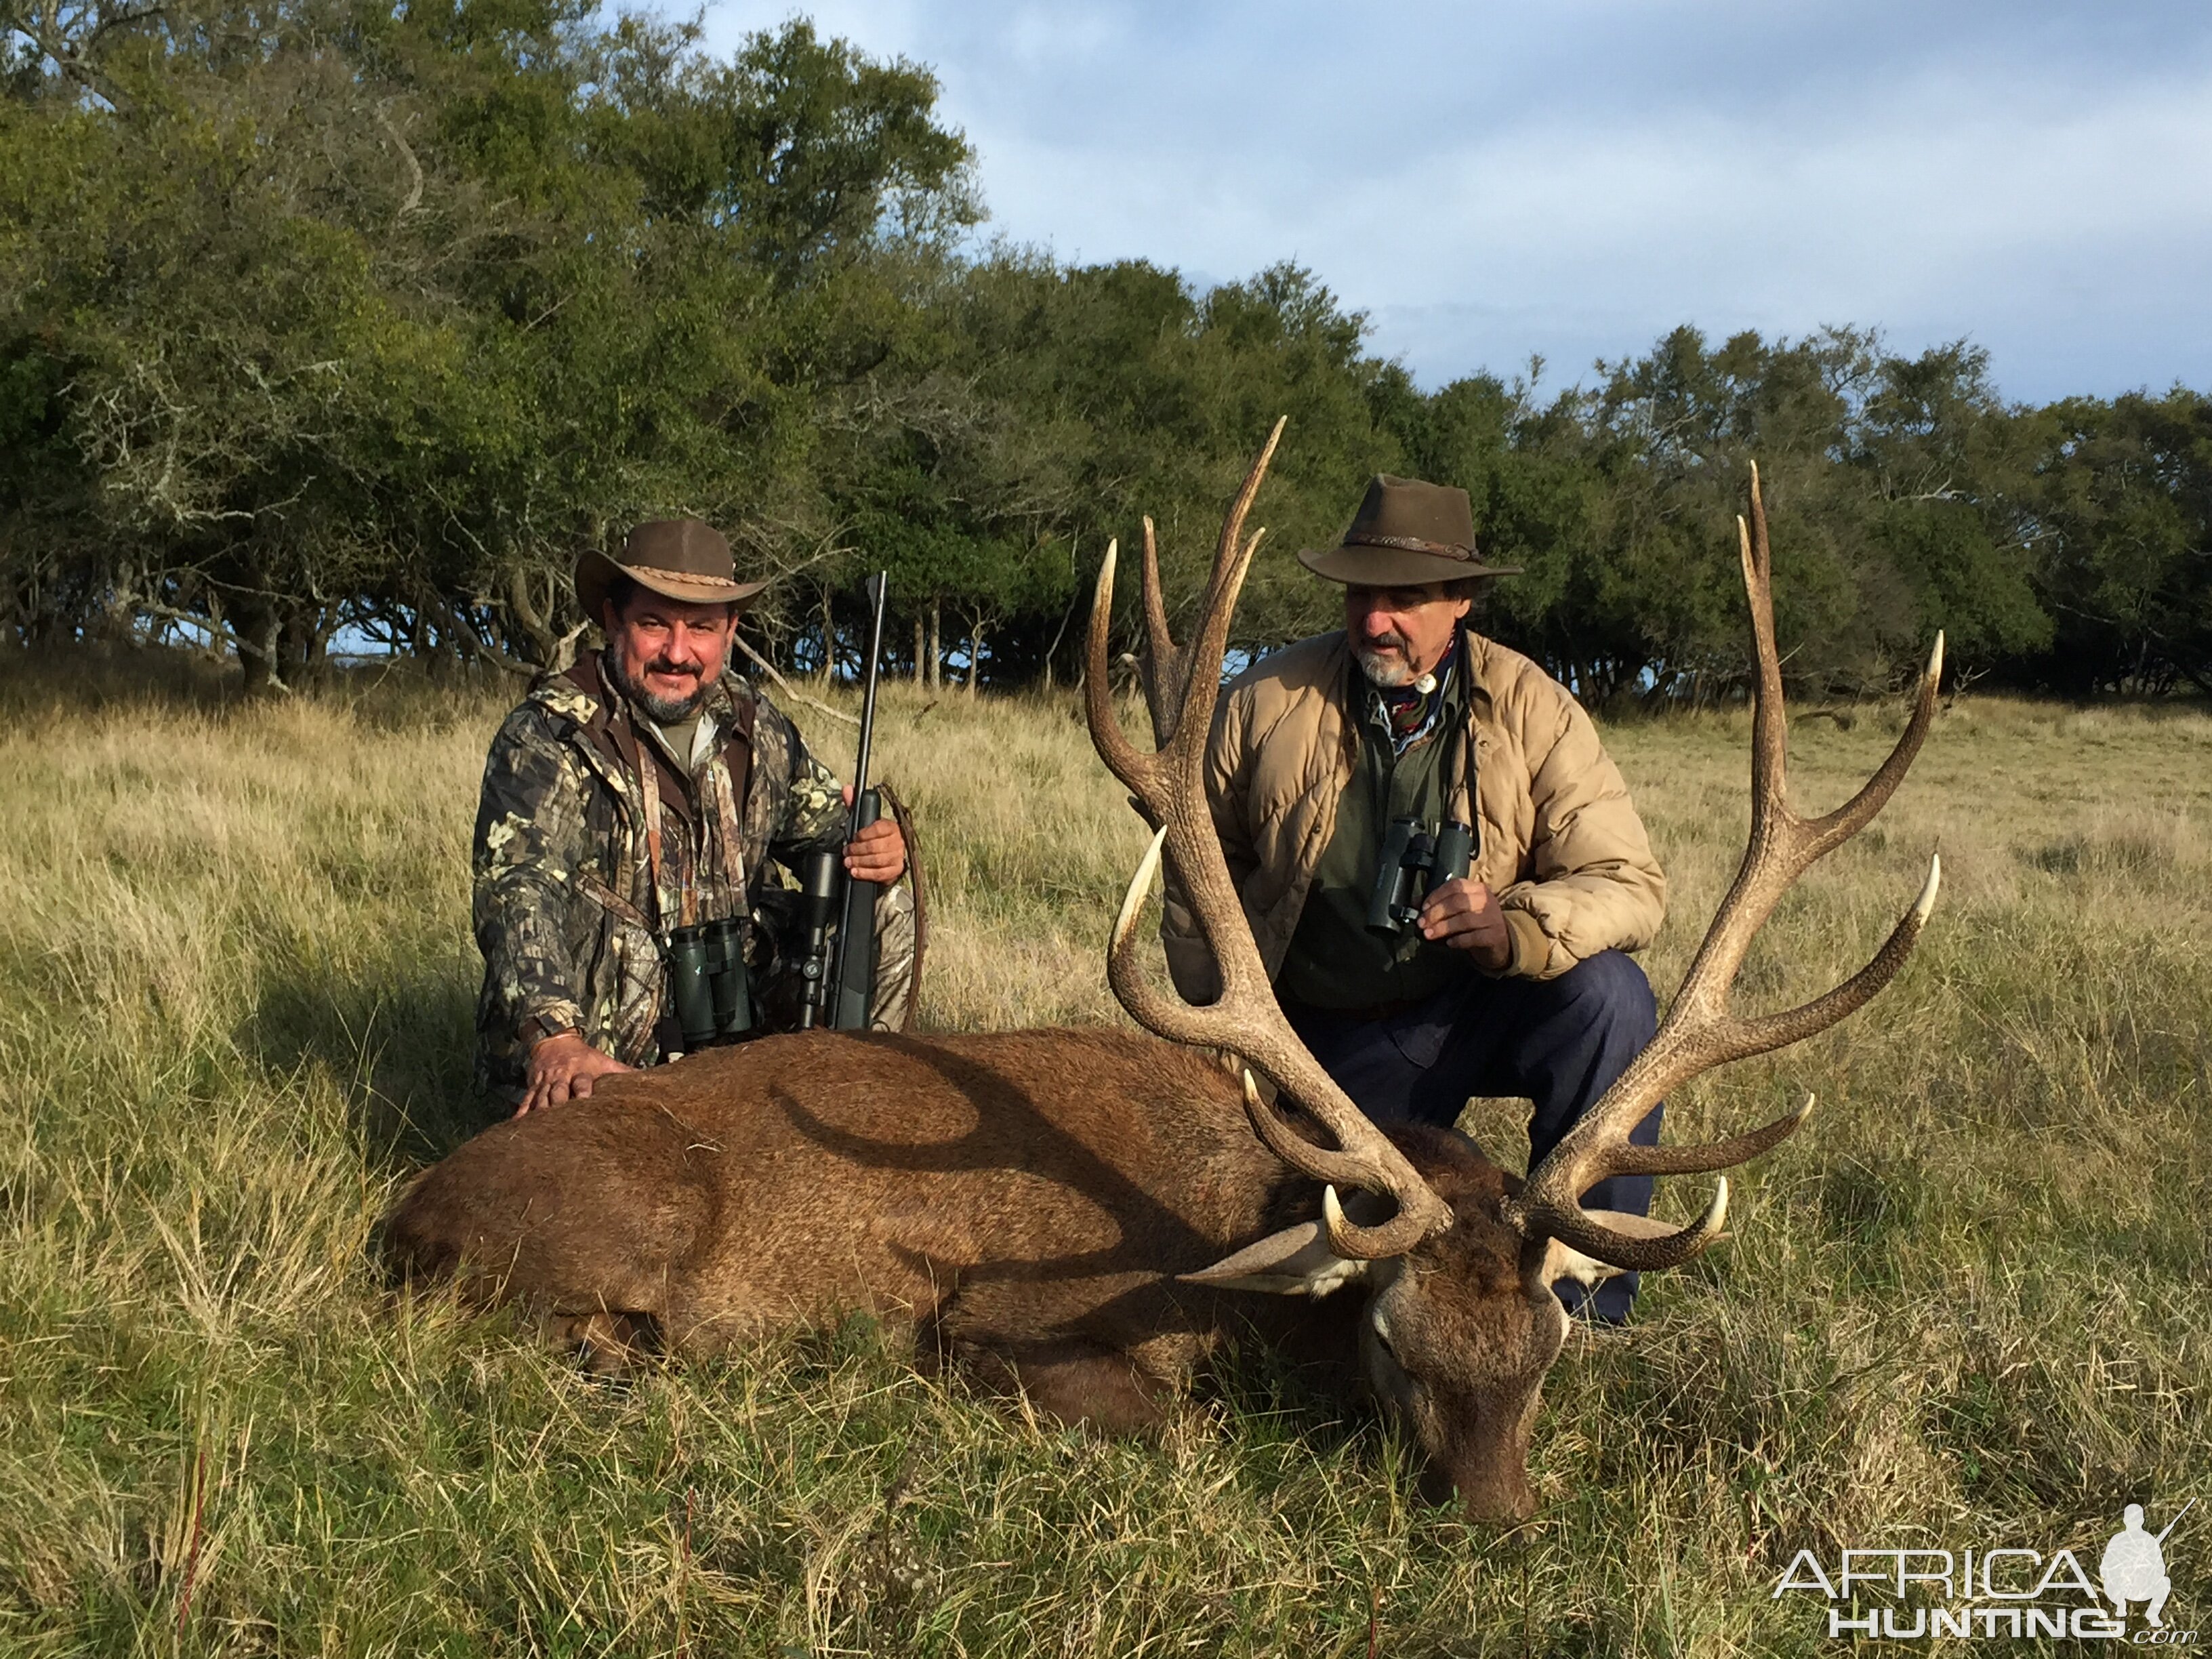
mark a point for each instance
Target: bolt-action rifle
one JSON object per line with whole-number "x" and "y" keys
{"x": 840, "y": 972}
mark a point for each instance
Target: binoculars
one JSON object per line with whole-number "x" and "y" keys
{"x": 708, "y": 982}
{"x": 1412, "y": 866}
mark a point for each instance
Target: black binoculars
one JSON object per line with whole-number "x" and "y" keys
{"x": 708, "y": 982}
{"x": 1414, "y": 865}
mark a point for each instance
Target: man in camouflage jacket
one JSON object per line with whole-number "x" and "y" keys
{"x": 572, "y": 889}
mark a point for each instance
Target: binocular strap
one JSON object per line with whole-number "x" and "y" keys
{"x": 724, "y": 789}
{"x": 725, "y": 831}
{"x": 648, "y": 773}
{"x": 607, "y": 899}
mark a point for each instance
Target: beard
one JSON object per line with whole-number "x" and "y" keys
{"x": 1389, "y": 670}
{"x": 662, "y": 711}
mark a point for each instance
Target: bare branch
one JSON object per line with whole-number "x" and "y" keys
{"x": 787, "y": 688}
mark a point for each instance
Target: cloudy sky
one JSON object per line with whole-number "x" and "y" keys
{"x": 1572, "y": 179}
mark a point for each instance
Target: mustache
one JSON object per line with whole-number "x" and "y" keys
{"x": 663, "y": 709}
{"x": 1386, "y": 660}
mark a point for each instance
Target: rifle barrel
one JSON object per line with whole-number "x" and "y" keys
{"x": 2176, "y": 1521}
{"x": 877, "y": 588}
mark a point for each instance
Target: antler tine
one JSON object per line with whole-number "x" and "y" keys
{"x": 1364, "y": 1157}
{"x": 1156, "y": 634}
{"x": 1171, "y": 689}
{"x": 1700, "y": 1032}
{"x": 1134, "y": 770}
{"x": 1232, "y": 526}
{"x": 1638, "y": 1255}
{"x": 1831, "y": 831}
{"x": 1783, "y": 845}
{"x": 1245, "y": 1019}
{"x": 1295, "y": 1150}
{"x": 1769, "y": 853}
{"x": 1769, "y": 743}
{"x": 1855, "y": 814}
{"x": 1165, "y": 665}
{"x": 1232, "y": 560}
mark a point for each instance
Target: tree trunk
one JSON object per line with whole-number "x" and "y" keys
{"x": 828, "y": 638}
{"x": 299, "y": 643}
{"x": 258, "y": 630}
{"x": 920, "y": 651}
{"x": 522, "y": 609}
{"x": 975, "y": 654}
{"x": 936, "y": 644}
{"x": 117, "y": 617}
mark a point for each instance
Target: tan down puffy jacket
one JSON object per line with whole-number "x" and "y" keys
{"x": 1561, "y": 845}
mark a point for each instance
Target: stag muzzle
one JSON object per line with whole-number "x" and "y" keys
{"x": 1499, "y": 1492}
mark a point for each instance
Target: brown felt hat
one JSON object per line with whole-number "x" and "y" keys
{"x": 1406, "y": 533}
{"x": 677, "y": 558}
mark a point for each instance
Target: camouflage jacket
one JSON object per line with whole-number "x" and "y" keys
{"x": 566, "y": 907}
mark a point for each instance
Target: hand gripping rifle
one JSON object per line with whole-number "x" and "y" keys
{"x": 841, "y": 974}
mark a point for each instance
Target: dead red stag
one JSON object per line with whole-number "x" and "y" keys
{"x": 1089, "y": 1216}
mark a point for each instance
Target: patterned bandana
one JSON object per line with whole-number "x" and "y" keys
{"x": 1407, "y": 714}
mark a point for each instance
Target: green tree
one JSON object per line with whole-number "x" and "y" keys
{"x": 2123, "y": 500}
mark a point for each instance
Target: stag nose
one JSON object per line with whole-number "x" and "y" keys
{"x": 1497, "y": 1495}
{"x": 1437, "y": 1487}
{"x": 1506, "y": 1506}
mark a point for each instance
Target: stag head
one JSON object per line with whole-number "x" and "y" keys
{"x": 1456, "y": 1257}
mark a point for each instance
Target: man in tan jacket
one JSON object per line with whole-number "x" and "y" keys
{"x": 1330, "y": 756}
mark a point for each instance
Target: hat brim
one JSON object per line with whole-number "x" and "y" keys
{"x": 597, "y": 573}
{"x": 1394, "y": 566}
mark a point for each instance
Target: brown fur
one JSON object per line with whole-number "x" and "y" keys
{"x": 1005, "y": 1189}
{"x": 1020, "y": 1203}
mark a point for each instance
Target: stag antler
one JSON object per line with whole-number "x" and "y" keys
{"x": 1163, "y": 671}
{"x": 1169, "y": 785}
{"x": 1701, "y": 1032}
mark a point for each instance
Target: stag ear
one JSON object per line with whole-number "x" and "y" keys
{"x": 1296, "y": 1261}
{"x": 1561, "y": 1261}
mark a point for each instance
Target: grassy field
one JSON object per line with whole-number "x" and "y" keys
{"x": 1970, "y": 1305}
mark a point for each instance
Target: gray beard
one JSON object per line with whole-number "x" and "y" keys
{"x": 1389, "y": 673}
{"x": 661, "y": 711}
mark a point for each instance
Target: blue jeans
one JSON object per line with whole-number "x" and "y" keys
{"x": 1559, "y": 1041}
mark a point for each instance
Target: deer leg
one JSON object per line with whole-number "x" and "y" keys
{"x": 1576, "y": 1034}
{"x": 1075, "y": 1381}
{"x": 606, "y": 1344}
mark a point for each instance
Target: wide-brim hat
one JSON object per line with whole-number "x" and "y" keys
{"x": 1406, "y": 533}
{"x": 684, "y": 559}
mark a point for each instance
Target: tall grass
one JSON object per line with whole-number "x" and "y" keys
{"x": 1971, "y": 1303}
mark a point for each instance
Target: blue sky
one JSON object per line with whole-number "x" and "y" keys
{"x": 1489, "y": 182}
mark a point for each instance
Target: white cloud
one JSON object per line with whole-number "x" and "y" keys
{"x": 1491, "y": 180}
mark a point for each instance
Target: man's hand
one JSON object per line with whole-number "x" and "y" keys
{"x": 1465, "y": 916}
{"x": 876, "y": 854}
{"x": 562, "y": 1068}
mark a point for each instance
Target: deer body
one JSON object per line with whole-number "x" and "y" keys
{"x": 1028, "y": 1206}
{"x": 994, "y": 1193}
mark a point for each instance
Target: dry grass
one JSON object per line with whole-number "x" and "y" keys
{"x": 1971, "y": 1303}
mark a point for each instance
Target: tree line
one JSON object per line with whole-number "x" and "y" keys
{"x": 332, "y": 324}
